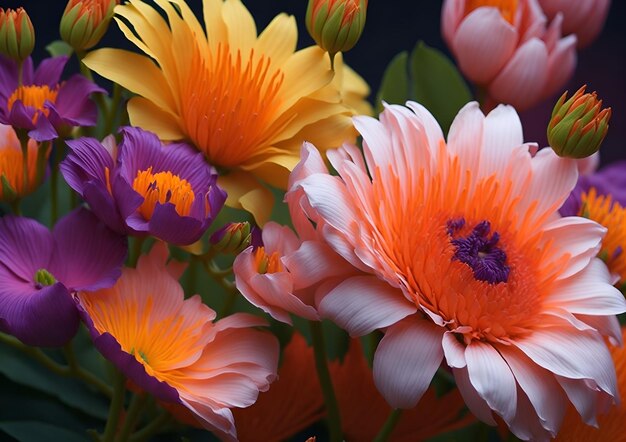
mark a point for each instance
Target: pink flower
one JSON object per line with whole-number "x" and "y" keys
{"x": 585, "y": 18}
{"x": 464, "y": 258}
{"x": 170, "y": 346}
{"x": 506, "y": 48}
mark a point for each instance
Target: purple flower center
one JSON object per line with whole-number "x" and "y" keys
{"x": 479, "y": 250}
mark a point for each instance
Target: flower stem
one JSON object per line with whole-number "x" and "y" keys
{"x": 116, "y": 408}
{"x": 135, "y": 408}
{"x": 136, "y": 251}
{"x": 389, "y": 425}
{"x": 319, "y": 348}
{"x": 153, "y": 428}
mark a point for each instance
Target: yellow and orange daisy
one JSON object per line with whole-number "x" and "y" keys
{"x": 247, "y": 101}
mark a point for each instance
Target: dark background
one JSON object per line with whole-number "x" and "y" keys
{"x": 396, "y": 25}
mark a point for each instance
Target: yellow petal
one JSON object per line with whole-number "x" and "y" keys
{"x": 325, "y": 134}
{"x": 278, "y": 41}
{"x": 245, "y": 192}
{"x": 134, "y": 72}
{"x": 145, "y": 114}
{"x": 274, "y": 170}
{"x": 215, "y": 27}
{"x": 241, "y": 27}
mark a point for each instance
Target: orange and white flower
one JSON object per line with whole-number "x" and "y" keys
{"x": 170, "y": 346}
{"x": 246, "y": 100}
{"x": 463, "y": 256}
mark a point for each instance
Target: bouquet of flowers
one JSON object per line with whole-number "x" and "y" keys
{"x": 217, "y": 235}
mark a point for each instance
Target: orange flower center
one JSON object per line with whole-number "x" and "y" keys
{"x": 228, "y": 104}
{"x": 603, "y": 210}
{"x": 465, "y": 255}
{"x": 12, "y": 170}
{"x": 33, "y": 96}
{"x": 267, "y": 263}
{"x": 163, "y": 187}
{"x": 507, "y": 8}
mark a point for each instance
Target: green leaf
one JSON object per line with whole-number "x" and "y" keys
{"x": 394, "y": 87}
{"x": 33, "y": 431}
{"x": 21, "y": 369}
{"x": 437, "y": 84}
{"x": 59, "y": 47}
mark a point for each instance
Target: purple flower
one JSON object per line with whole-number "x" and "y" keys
{"x": 144, "y": 187}
{"x": 42, "y": 103}
{"x": 39, "y": 271}
{"x": 610, "y": 180}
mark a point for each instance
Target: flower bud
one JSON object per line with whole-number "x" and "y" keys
{"x": 232, "y": 238}
{"x": 17, "y": 35}
{"x": 84, "y": 22}
{"x": 336, "y": 25}
{"x": 578, "y": 125}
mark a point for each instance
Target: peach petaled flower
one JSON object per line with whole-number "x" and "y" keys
{"x": 12, "y": 183}
{"x": 464, "y": 257}
{"x": 610, "y": 425}
{"x": 585, "y": 18}
{"x": 357, "y": 397}
{"x": 41, "y": 103}
{"x": 505, "y": 47}
{"x": 610, "y": 214}
{"x": 17, "y": 35}
{"x": 84, "y": 22}
{"x": 293, "y": 403}
{"x": 336, "y": 25}
{"x": 39, "y": 271}
{"x": 578, "y": 126}
{"x": 170, "y": 347}
{"x": 246, "y": 101}
{"x": 167, "y": 191}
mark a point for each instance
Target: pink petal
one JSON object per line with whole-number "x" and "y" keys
{"x": 589, "y": 292}
{"x": 218, "y": 420}
{"x": 579, "y": 237}
{"x": 453, "y": 350}
{"x": 571, "y": 354}
{"x": 561, "y": 65}
{"x": 281, "y": 239}
{"x": 362, "y": 304}
{"x": 606, "y": 325}
{"x": 521, "y": 81}
{"x": 502, "y": 136}
{"x": 526, "y": 425}
{"x": 451, "y": 15}
{"x": 593, "y": 23}
{"x": 376, "y": 141}
{"x": 406, "y": 360}
{"x": 313, "y": 262}
{"x": 492, "y": 378}
{"x": 466, "y": 132}
{"x": 583, "y": 398}
{"x": 483, "y": 43}
{"x": 539, "y": 385}
{"x": 474, "y": 402}
{"x": 428, "y": 124}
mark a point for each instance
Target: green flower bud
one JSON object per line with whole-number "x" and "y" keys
{"x": 336, "y": 25}
{"x": 232, "y": 238}
{"x": 84, "y": 22}
{"x": 17, "y": 35}
{"x": 44, "y": 278}
{"x": 578, "y": 125}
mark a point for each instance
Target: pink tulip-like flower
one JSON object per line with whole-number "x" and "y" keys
{"x": 507, "y": 48}
{"x": 170, "y": 347}
{"x": 585, "y": 18}
{"x": 461, "y": 256}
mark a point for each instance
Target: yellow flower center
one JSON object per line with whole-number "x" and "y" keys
{"x": 228, "y": 104}
{"x": 603, "y": 210}
{"x": 12, "y": 170}
{"x": 33, "y": 96}
{"x": 507, "y": 7}
{"x": 267, "y": 263}
{"x": 163, "y": 187}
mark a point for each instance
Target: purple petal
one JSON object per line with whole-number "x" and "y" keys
{"x": 25, "y": 246}
{"x": 127, "y": 364}
{"x": 87, "y": 160}
{"x": 45, "y": 317}
{"x": 73, "y": 105}
{"x": 103, "y": 205}
{"x": 8, "y": 78}
{"x": 21, "y": 116}
{"x": 49, "y": 71}
{"x": 44, "y": 130}
{"x": 87, "y": 255}
{"x": 167, "y": 225}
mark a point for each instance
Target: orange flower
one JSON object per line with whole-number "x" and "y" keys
{"x": 12, "y": 183}
{"x": 247, "y": 101}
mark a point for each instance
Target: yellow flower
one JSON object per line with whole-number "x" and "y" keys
{"x": 247, "y": 101}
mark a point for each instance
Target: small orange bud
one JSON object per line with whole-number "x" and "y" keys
{"x": 17, "y": 35}
{"x": 336, "y": 25}
{"x": 84, "y": 22}
{"x": 578, "y": 125}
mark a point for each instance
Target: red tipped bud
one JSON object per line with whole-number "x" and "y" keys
{"x": 17, "y": 35}
{"x": 578, "y": 125}
{"x": 84, "y": 22}
{"x": 336, "y": 25}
